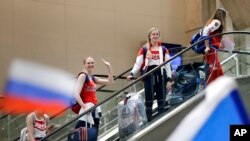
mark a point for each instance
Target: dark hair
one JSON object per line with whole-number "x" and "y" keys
{"x": 220, "y": 14}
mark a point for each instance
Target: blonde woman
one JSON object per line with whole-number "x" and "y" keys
{"x": 151, "y": 55}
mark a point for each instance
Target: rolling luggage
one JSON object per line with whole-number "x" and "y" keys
{"x": 83, "y": 133}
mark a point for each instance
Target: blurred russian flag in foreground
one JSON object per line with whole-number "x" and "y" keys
{"x": 32, "y": 86}
{"x": 211, "y": 119}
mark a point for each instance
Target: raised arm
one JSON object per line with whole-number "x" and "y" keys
{"x": 110, "y": 79}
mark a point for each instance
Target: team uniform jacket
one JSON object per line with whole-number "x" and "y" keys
{"x": 212, "y": 57}
{"x": 154, "y": 60}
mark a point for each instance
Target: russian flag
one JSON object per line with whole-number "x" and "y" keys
{"x": 31, "y": 86}
{"x": 211, "y": 119}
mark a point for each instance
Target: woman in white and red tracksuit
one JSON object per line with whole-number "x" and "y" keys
{"x": 215, "y": 25}
{"x": 156, "y": 54}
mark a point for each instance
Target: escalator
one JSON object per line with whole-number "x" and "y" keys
{"x": 233, "y": 66}
{"x": 161, "y": 126}
{"x": 11, "y": 124}
{"x": 164, "y": 126}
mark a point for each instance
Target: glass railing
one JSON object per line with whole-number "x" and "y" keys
{"x": 234, "y": 63}
{"x": 108, "y": 129}
{"x": 237, "y": 62}
{"x": 109, "y": 118}
{"x": 11, "y": 124}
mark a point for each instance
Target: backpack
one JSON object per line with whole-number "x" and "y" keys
{"x": 75, "y": 107}
{"x": 24, "y": 131}
{"x": 188, "y": 81}
{"x": 200, "y": 47}
{"x": 145, "y": 49}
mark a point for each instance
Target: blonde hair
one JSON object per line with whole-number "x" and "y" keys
{"x": 84, "y": 60}
{"x": 150, "y": 32}
{"x": 148, "y": 44}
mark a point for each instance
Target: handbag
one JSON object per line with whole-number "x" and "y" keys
{"x": 83, "y": 134}
{"x": 75, "y": 108}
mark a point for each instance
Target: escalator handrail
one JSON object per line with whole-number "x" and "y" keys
{"x": 175, "y": 110}
{"x": 238, "y": 52}
{"x": 222, "y": 50}
{"x": 98, "y": 89}
{"x": 142, "y": 77}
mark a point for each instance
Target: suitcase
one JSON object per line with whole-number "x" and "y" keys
{"x": 83, "y": 134}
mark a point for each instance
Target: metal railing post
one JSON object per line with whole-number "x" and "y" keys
{"x": 236, "y": 66}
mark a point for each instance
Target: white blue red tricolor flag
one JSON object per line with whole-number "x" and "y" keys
{"x": 211, "y": 119}
{"x": 32, "y": 86}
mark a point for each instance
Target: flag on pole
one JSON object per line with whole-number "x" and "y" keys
{"x": 31, "y": 86}
{"x": 211, "y": 119}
